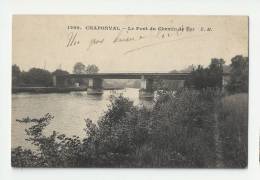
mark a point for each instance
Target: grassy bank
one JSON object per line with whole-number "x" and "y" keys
{"x": 234, "y": 129}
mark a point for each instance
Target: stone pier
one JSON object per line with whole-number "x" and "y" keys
{"x": 146, "y": 91}
{"x": 59, "y": 81}
{"x": 225, "y": 80}
{"x": 54, "y": 81}
{"x": 95, "y": 86}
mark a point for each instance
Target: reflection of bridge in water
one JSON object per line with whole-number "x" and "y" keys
{"x": 95, "y": 86}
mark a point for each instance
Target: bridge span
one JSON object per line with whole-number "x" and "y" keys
{"x": 95, "y": 85}
{"x": 170, "y": 76}
{"x": 95, "y": 81}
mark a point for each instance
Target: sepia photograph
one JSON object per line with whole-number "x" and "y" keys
{"x": 129, "y": 91}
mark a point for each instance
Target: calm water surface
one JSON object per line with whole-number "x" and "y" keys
{"x": 69, "y": 111}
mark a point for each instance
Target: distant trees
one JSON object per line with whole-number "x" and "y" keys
{"x": 91, "y": 69}
{"x": 80, "y": 68}
{"x": 37, "y": 77}
{"x": 170, "y": 85}
{"x": 16, "y": 73}
{"x": 212, "y": 75}
{"x": 34, "y": 77}
{"x": 207, "y": 77}
{"x": 239, "y": 75}
{"x": 60, "y": 72}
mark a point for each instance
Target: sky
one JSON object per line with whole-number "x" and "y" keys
{"x": 134, "y": 44}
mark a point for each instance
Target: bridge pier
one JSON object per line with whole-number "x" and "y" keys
{"x": 54, "y": 81}
{"x": 95, "y": 86}
{"x": 59, "y": 81}
{"x": 146, "y": 91}
{"x": 225, "y": 80}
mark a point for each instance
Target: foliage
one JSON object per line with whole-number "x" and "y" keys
{"x": 183, "y": 127}
{"x": 172, "y": 85}
{"x": 55, "y": 150}
{"x": 207, "y": 77}
{"x": 168, "y": 85}
{"x": 239, "y": 75}
{"x": 179, "y": 131}
{"x": 91, "y": 69}
{"x": 36, "y": 77}
{"x": 234, "y": 129}
{"x": 79, "y": 68}
{"x": 60, "y": 72}
{"x": 16, "y": 73}
{"x": 26, "y": 158}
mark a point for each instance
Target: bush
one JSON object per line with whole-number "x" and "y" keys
{"x": 16, "y": 73}
{"x": 234, "y": 130}
{"x": 179, "y": 131}
{"x": 36, "y": 77}
{"x": 26, "y": 158}
{"x": 239, "y": 75}
{"x": 210, "y": 77}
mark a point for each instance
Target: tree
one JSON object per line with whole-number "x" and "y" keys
{"x": 79, "y": 68}
{"x": 60, "y": 72}
{"x": 207, "y": 77}
{"x": 92, "y": 69}
{"x": 16, "y": 73}
{"x": 37, "y": 77}
{"x": 216, "y": 72}
{"x": 239, "y": 75}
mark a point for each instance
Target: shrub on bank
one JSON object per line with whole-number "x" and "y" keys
{"x": 234, "y": 129}
{"x": 179, "y": 131}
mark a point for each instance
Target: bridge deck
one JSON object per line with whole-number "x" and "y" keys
{"x": 170, "y": 76}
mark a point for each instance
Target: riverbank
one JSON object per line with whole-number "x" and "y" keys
{"x": 54, "y": 89}
{"x": 189, "y": 129}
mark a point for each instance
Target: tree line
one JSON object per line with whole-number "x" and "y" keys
{"x": 201, "y": 77}
{"x": 37, "y": 77}
{"x": 212, "y": 76}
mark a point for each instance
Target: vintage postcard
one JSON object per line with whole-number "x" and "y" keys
{"x": 130, "y": 91}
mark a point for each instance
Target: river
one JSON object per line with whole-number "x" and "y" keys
{"x": 69, "y": 111}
